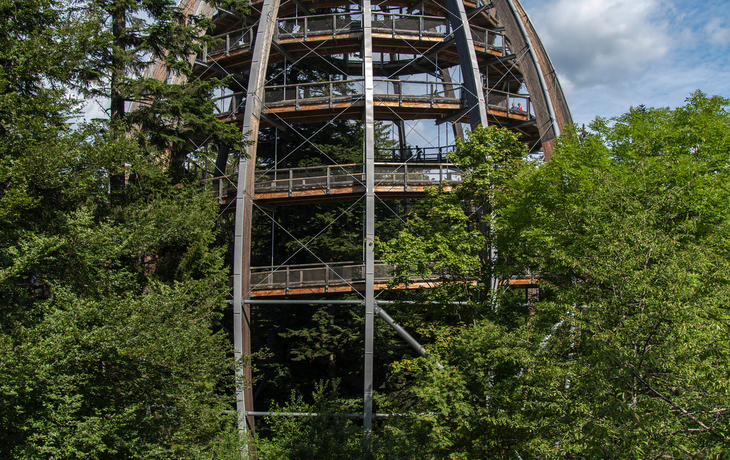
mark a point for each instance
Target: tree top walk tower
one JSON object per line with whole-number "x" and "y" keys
{"x": 426, "y": 68}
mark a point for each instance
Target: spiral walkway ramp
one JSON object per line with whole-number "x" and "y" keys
{"x": 422, "y": 71}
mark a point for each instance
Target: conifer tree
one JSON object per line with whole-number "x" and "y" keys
{"x": 108, "y": 307}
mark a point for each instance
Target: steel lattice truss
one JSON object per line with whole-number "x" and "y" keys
{"x": 422, "y": 67}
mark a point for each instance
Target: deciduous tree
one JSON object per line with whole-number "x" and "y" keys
{"x": 626, "y": 353}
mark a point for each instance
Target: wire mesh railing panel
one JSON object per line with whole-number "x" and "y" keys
{"x": 349, "y": 272}
{"x": 514, "y": 103}
{"x": 291, "y": 27}
{"x": 310, "y": 275}
{"x": 309, "y": 182}
{"x": 382, "y": 22}
{"x": 319, "y": 275}
{"x": 230, "y": 41}
{"x": 406, "y": 23}
{"x": 346, "y": 179}
{"x": 317, "y": 25}
{"x": 435, "y": 26}
{"x": 383, "y": 272}
{"x": 388, "y": 176}
{"x": 489, "y": 39}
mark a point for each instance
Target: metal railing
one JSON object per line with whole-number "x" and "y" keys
{"x": 386, "y": 90}
{"x": 327, "y": 178}
{"x": 352, "y": 175}
{"x": 317, "y": 275}
{"x": 337, "y": 274}
{"x": 328, "y": 91}
{"x": 425, "y": 154}
{"x": 302, "y": 27}
{"x": 415, "y": 90}
{"x": 519, "y": 104}
{"x": 410, "y": 24}
{"x": 230, "y": 41}
{"x": 395, "y": 24}
{"x": 490, "y": 40}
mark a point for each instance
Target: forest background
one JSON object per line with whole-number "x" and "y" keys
{"x": 113, "y": 279}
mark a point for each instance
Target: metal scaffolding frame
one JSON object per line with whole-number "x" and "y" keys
{"x": 525, "y": 51}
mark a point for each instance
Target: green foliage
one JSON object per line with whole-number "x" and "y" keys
{"x": 107, "y": 348}
{"x": 332, "y": 436}
{"x": 448, "y": 238}
{"x": 132, "y": 49}
{"x": 625, "y": 355}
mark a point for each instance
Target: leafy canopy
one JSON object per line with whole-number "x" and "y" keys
{"x": 626, "y": 353}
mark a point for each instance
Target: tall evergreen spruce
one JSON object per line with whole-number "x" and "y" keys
{"x": 108, "y": 303}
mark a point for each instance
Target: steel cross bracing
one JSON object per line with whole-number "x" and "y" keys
{"x": 452, "y": 41}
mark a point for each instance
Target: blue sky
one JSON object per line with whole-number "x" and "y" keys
{"x": 614, "y": 54}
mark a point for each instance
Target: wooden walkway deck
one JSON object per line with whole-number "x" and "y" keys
{"x": 337, "y": 277}
{"x": 294, "y": 186}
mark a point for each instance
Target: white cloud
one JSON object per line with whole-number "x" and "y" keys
{"x": 717, "y": 33}
{"x": 614, "y": 54}
{"x": 595, "y": 41}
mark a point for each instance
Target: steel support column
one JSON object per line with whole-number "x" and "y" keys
{"x": 244, "y": 208}
{"x": 369, "y": 154}
{"x": 468, "y": 61}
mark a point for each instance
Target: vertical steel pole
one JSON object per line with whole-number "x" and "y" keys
{"x": 244, "y": 209}
{"x": 468, "y": 61}
{"x": 369, "y": 153}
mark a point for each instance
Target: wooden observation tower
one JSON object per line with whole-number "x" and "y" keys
{"x": 423, "y": 69}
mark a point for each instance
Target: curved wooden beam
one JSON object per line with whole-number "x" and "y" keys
{"x": 551, "y": 108}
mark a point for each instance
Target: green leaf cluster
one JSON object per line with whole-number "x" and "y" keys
{"x": 110, "y": 292}
{"x": 626, "y": 353}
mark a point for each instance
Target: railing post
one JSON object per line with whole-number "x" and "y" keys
{"x": 220, "y": 191}
{"x": 405, "y": 176}
{"x": 296, "y": 97}
{"x": 228, "y": 45}
{"x": 306, "y": 28}
{"x": 287, "y": 279}
{"x": 291, "y": 181}
{"x": 329, "y": 171}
